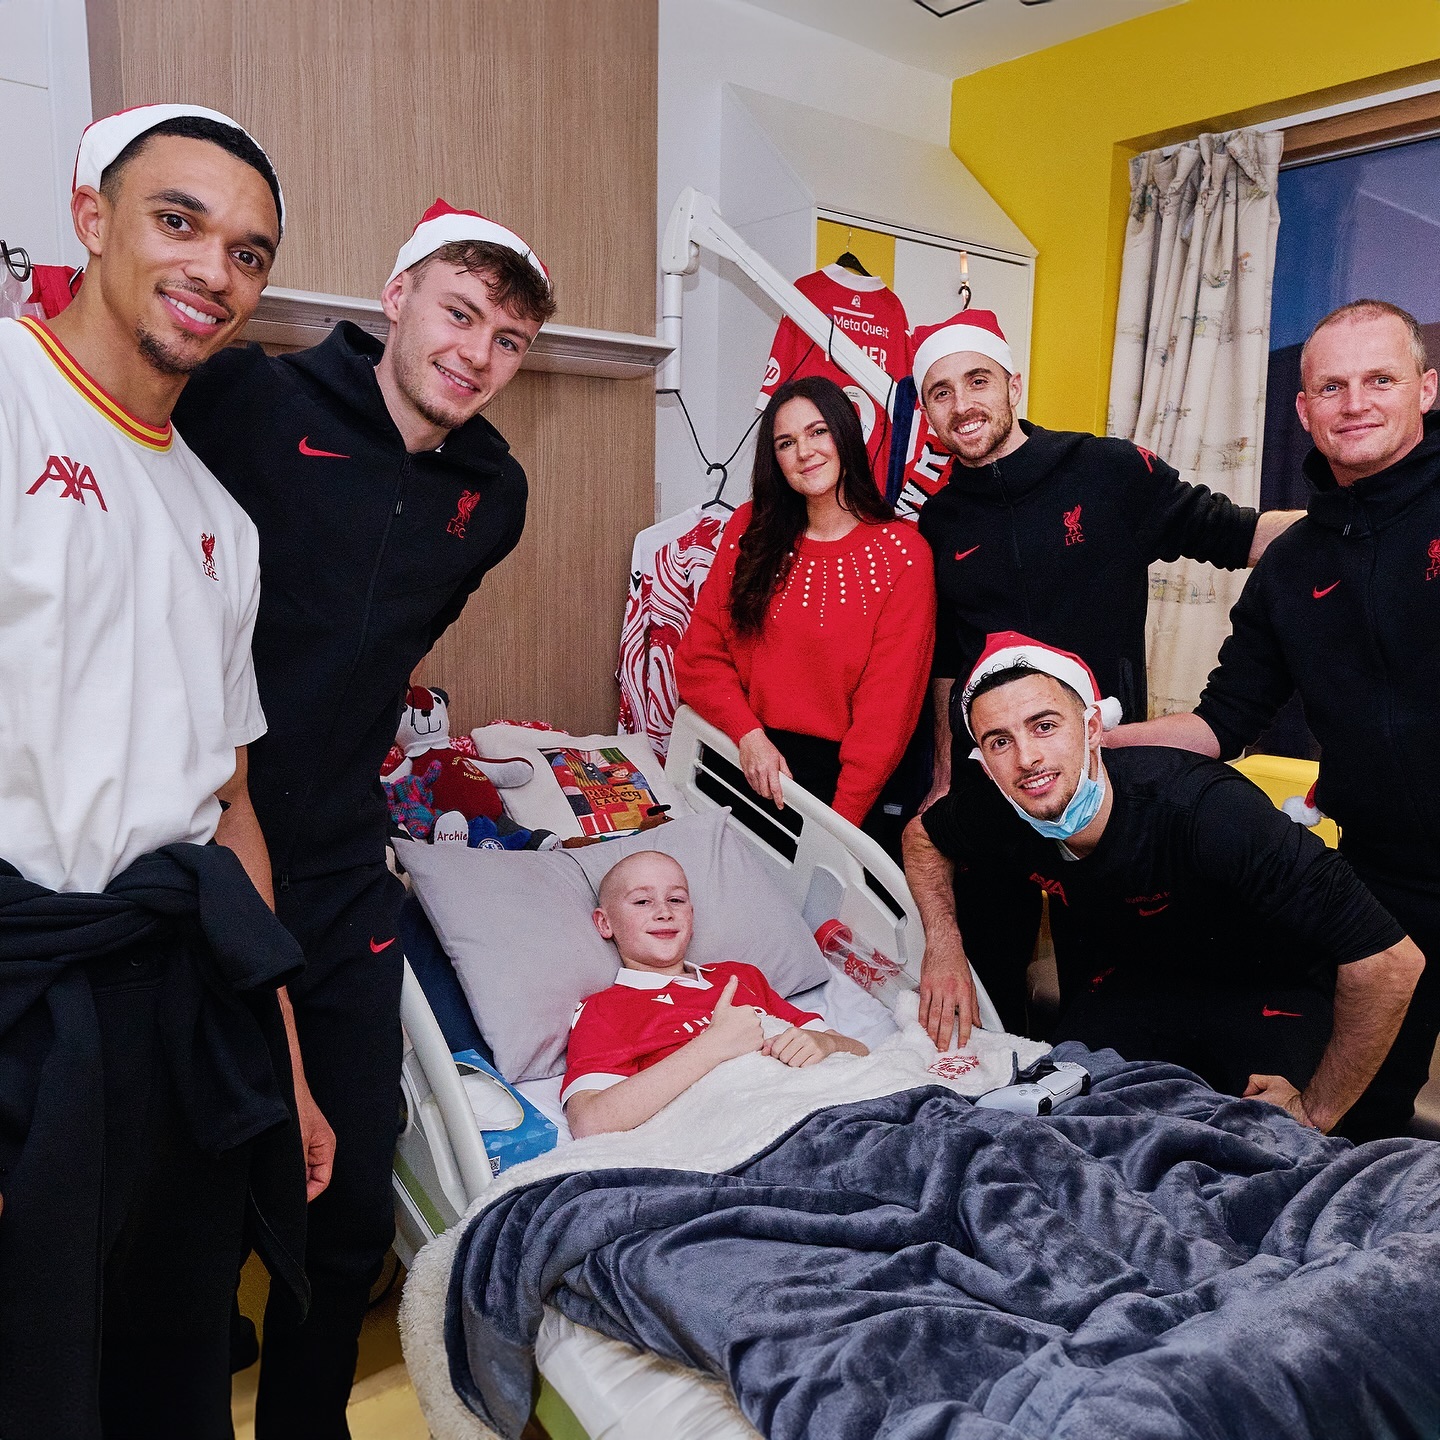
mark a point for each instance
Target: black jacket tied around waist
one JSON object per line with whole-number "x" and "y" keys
{"x": 224, "y": 1043}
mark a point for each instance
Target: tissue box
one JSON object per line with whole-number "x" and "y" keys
{"x": 519, "y": 1139}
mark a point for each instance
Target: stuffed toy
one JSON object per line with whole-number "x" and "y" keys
{"x": 483, "y": 833}
{"x": 465, "y": 782}
{"x": 412, "y": 802}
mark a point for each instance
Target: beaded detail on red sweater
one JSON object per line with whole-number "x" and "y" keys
{"x": 864, "y": 574}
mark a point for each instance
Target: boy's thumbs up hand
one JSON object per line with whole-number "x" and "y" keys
{"x": 733, "y": 1029}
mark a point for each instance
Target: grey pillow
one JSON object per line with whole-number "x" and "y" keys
{"x": 740, "y": 912}
{"x": 516, "y": 926}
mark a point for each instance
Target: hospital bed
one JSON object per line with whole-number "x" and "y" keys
{"x": 829, "y": 869}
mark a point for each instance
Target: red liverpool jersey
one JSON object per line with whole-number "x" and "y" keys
{"x": 643, "y": 1017}
{"x": 871, "y": 315}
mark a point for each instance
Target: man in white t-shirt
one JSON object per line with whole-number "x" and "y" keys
{"x": 129, "y": 582}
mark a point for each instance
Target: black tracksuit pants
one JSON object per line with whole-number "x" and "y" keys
{"x": 1413, "y": 898}
{"x": 172, "y": 1229}
{"x": 347, "y": 1014}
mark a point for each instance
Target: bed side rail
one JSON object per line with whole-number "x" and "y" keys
{"x": 461, "y": 1131}
{"x": 827, "y": 866}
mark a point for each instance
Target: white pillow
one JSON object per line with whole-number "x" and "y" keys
{"x": 517, "y": 928}
{"x": 632, "y": 779}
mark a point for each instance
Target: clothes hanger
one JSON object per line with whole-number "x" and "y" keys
{"x": 849, "y": 260}
{"x": 17, "y": 261}
{"x": 715, "y": 501}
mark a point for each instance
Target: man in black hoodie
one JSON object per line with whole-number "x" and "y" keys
{"x": 1346, "y": 610}
{"x": 1051, "y": 533}
{"x": 382, "y": 498}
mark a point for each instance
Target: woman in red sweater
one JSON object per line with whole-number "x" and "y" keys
{"x": 810, "y": 644}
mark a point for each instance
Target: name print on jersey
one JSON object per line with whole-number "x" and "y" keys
{"x": 74, "y": 478}
{"x": 207, "y": 555}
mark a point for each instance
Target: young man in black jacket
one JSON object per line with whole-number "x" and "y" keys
{"x": 382, "y": 497}
{"x": 1193, "y": 921}
{"x": 1052, "y": 533}
{"x": 1346, "y": 610}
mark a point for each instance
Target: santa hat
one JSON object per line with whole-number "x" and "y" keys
{"x": 104, "y": 139}
{"x": 976, "y": 330}
{"x": 1302, "y": 809}
{"x": 1009, "y": 650}
{"x": 442, "y": 224}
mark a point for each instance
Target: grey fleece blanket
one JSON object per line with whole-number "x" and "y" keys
{"x": 1154, "y": 1260}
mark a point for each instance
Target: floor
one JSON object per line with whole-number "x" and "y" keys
{"x": 382, "y": 1405}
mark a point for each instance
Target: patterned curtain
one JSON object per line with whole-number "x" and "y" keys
{"x": 1192, "y": 341}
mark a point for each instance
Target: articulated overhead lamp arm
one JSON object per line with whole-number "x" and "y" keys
{"x": 695, "y": 224}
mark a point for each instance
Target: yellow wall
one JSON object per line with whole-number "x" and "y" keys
{"x": 1050, "y": 136}
{"x": 874, "y": 249}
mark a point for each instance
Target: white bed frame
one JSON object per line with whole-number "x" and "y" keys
{"x": 823, "y": 863}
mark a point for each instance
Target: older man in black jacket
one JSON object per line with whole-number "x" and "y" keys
{"x": 1345, "y": 609}
{"x": 382, "y": 497}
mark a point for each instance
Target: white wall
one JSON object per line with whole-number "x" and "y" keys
{"x": 705, "y": 44}
{"x": 44, "y": 105}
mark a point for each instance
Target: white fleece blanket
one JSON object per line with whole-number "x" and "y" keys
{"x": 726, "y": 1117}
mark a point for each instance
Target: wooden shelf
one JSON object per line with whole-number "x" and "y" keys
{"x": 302, "y": 317}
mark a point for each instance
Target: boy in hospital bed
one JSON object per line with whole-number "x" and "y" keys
{"x": 665, "y": 1023}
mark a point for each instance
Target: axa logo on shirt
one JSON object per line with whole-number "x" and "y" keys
{"x": 73, "y": 478}
{"x": 207, "y": 555}
{"x": 1050, "y": 887}
{"x": 465, "y": 508}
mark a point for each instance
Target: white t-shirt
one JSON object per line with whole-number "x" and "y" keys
{"x": 129, "y": 582}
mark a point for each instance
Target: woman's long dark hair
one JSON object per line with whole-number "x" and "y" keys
{"x": 778, "y": 516}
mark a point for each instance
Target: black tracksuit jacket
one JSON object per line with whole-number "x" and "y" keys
{"x": 367, "y": 553}
{"x": 1056, "y": 539}
{"x": 1345, "y": 608}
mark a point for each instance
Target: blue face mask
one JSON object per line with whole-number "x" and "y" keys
{"x": 1084, "y": 804}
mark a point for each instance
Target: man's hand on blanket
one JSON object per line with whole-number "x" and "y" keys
{"x": 798, "y": 1048}
{"x": 947, "y": 988}
{"x": 1277, "y": 1090}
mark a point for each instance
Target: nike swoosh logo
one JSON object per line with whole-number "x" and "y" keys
{"x": 384, "y": 944}
{"x": 307, "y": 449}
{"x": 961, "y": 554}
{"x": 1270, "y": 1014}
{"x": 1320, "y": 594}
{"x": 1156, "y": 910}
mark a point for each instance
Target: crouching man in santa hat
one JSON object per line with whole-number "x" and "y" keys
{"x": 1193, "y": 921}
{"x": 382, "y": 496}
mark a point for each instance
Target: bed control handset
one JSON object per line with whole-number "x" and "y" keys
{"x": 1038, "y": 1088}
